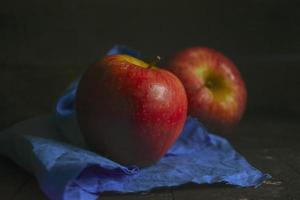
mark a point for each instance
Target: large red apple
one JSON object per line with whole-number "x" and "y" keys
{"x": 215, "y": 89}
{"x": 130, "y": 111}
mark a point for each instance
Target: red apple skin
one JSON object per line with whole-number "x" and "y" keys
{"x": 215, "y": 89}
{"x": 128, "y": 111}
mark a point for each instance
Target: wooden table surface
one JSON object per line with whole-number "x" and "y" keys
{"x": 270, "y": 144}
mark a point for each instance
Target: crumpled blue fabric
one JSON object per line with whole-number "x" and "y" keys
{"x": 52, "y": 148}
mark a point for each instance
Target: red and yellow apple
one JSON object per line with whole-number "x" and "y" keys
{"x": 215, "y": 89}
{"x": 130, "y": 111}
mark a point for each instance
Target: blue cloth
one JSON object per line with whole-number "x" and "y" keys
{"x": 66, "y": 172}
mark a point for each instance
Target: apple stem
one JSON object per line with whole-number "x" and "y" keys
{"x": 154, "y": 61}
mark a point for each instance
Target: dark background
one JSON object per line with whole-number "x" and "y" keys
{"x": 45, "y": 44}
{"x": 57, "y": 39}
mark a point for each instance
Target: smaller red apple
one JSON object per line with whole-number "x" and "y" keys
{"x": 215, "y": 89}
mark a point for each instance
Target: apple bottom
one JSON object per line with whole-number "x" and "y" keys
{"x": 219, "y": 115}
{"x": 129, "y": 145}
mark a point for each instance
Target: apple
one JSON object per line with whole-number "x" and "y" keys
{"x": 130, "y": 111}
{"x": 215, "y": 89}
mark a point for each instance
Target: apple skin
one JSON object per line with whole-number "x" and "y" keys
{"x": 215, "y": 89}
{"x": 129, "y": 111}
